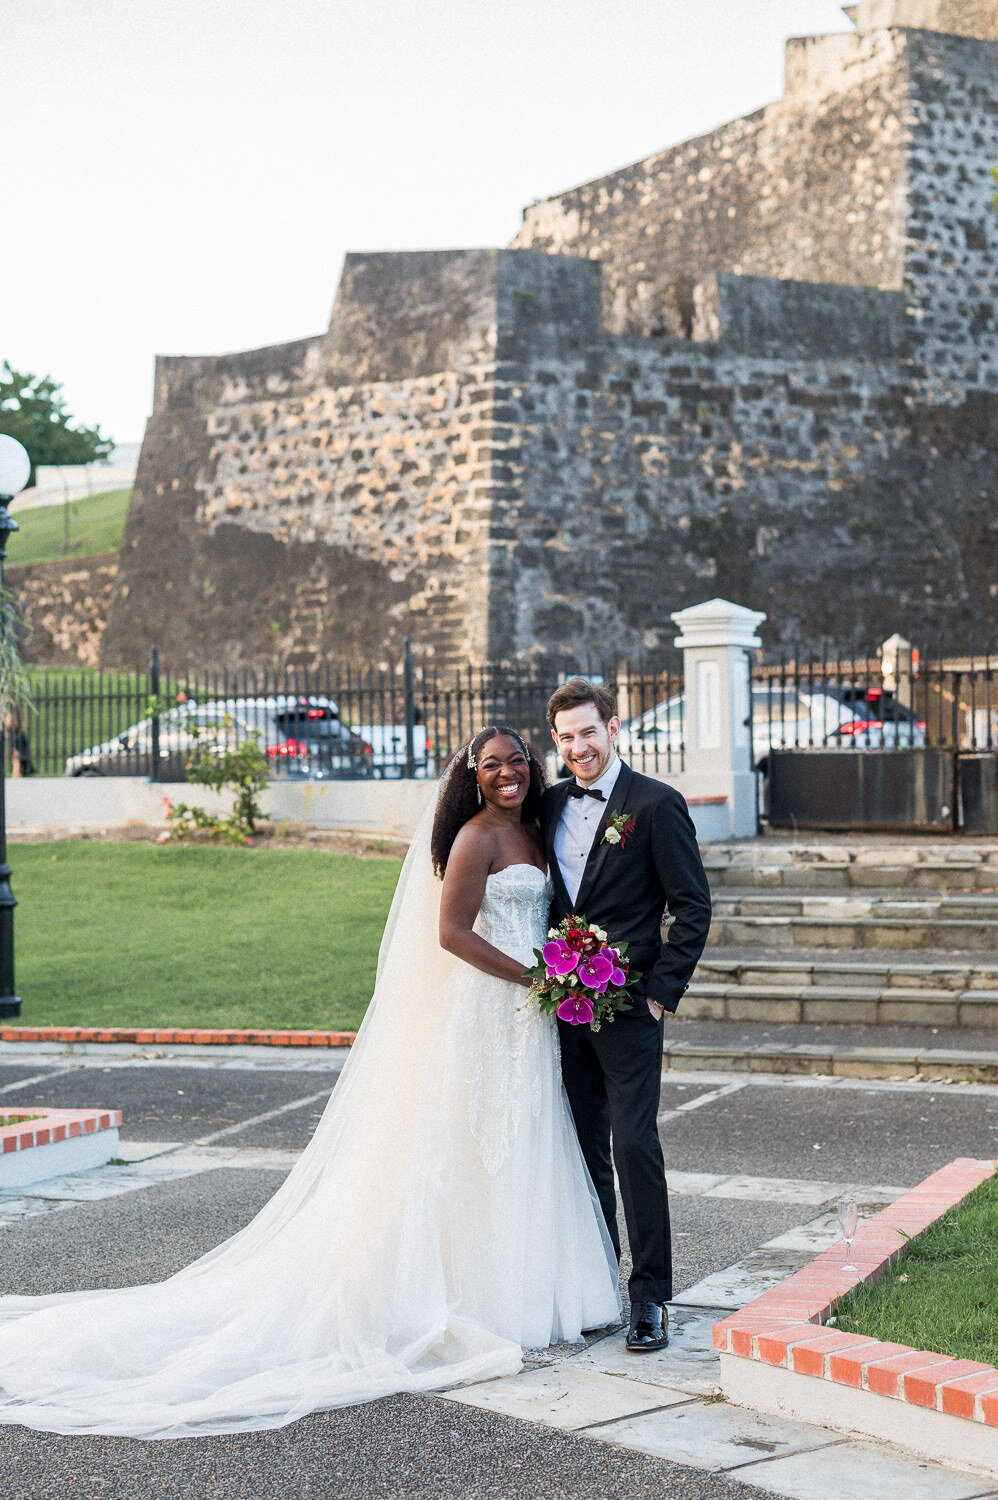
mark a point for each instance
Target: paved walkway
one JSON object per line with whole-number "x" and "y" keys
{"x": 755, "y": 1167}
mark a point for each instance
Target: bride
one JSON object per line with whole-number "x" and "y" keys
{"x": 441, "y": 1217}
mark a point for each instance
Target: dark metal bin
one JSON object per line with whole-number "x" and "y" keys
{"x": 979, "y": 793}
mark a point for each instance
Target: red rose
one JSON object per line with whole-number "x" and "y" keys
{"x": 574, "y": 938}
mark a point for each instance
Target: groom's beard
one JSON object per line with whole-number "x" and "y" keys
{"x": 596, "y": 768}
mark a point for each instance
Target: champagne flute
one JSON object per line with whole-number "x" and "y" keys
{"x": 847, "y": 1226}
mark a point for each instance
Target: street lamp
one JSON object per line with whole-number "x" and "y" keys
{"x": 15, "y": 470}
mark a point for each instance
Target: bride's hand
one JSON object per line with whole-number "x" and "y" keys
{"x": 658, "y": 1011}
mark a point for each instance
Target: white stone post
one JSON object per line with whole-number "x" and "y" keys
{"x": 717, "y": 639}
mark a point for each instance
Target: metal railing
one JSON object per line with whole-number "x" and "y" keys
{"x": 873, "y": 702}
{"x": 401, "y": 719}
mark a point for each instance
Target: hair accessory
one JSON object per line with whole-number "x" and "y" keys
{"x": 471, "y": 755}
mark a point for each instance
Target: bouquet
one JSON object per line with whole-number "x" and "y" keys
{"x": 579, "y": 976}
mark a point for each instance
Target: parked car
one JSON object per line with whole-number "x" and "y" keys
{"x": 388, "y": 750}
{"x": 877, "y": 720}
{"x": 783, "y": 718}
{"x": 302, "y": 737}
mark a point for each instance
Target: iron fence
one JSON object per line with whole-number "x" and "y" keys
{"x": 386, "y": 720}
{"x": 886, "y": 701}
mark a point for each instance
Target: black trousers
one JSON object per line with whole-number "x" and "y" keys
{"x": 613, "y": 1079}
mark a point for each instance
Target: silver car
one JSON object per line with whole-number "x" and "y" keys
{"x": 783, "y": 718}
{"x": 302, "y": 737}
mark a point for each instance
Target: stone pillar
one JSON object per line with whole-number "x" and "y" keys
{"x": 717, "y": 639}
{"x": 898, "y": 666}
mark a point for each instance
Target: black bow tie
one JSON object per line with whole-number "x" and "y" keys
{"x": 575, "y": 790}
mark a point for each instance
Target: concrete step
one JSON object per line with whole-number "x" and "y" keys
{"x": 845, "y": 864}
{"x": 852, "y": 933}
{"x": 851, "y": 904}
{"x": 975, "y": 1010}
{"x": 855, "y": 877}
{"x": 781, "y": 920}
{"x": 772, "y": 969}
{"x": 930, "y": 1064}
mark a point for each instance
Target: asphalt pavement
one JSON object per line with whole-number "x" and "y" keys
{"x": 795, "y": 1130}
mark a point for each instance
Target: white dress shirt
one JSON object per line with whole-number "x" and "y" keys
{"x": 573, "y": 838}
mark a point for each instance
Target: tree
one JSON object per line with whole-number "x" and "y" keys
{"x": 32, "y": 410}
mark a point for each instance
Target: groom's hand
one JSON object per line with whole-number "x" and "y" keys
{"x": 658, "y": 1011}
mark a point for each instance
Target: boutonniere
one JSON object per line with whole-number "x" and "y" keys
{"x": 618, "y": 828}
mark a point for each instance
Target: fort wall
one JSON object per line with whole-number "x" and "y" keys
{"x": 761, "y": 364}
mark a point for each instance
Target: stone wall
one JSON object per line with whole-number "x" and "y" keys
{"x": 64, "y": 606}
{"x": 761, "y": 364}
{"x": 651, "y": 474}
{"x": 327, "y": 499}
{"x": 952, "y": 224}
{"x": 810, "y": 188}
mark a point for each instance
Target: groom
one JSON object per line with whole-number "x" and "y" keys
{"x": 613, "y": 1076}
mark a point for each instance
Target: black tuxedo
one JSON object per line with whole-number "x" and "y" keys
{"x": 613, "y": 1077}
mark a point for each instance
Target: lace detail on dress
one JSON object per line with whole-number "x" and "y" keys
{"x": 513, "y": 916}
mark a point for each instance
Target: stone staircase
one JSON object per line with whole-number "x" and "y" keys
{"x": 908, "y": 994}
{"x": 872, "y": 932}
{"x": 963, "y": 923}
{"x": 845, "y": 864}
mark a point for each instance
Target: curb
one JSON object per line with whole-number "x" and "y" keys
{"x": 894, "y": 1063}
{"x": 150, "y": 1036}
{"x": 935, "y": 1066}
{"x": 45, "y": 1142}
{"x": 785, "y": 1330}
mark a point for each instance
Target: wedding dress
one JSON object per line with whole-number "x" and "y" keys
{"x": 440, "y": 1219}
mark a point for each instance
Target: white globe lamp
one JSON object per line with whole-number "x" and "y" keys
{"x": 15, "y": 467}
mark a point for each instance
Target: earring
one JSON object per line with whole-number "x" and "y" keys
{"x": 479, "y": 791}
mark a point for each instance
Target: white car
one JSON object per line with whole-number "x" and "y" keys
{"x": 388, "y": 750}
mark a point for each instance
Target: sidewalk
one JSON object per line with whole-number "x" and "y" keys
{"x": 209, "y": 1133}
{"x": 824, "y": 1049}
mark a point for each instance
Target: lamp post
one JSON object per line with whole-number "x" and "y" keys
{"x": 15, "y": 469}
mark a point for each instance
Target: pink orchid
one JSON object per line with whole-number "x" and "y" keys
{"x": 576, "y": 1010}
{"x": 595, "y": 972}
{"x": 617, "y": 976}
{"x": 559, "y": 957}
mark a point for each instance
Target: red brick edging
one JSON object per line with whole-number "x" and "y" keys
{"x": 149, "y": 1036}
{"x": 787, "y": 1326}
{"x": 51, "y": 1125}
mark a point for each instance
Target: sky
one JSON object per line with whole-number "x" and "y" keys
{"x": 185, "y": 176}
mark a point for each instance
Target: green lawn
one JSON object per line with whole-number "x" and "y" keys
{"x": 96, "y": 524}
{"x": 176, "y": 935}
{"x": 943, "y": 1295}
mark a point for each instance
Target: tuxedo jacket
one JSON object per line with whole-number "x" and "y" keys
{"x": 627, "y": 887}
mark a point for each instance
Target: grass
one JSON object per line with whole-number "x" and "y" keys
{"x": 943, "y": 1295}
{"x": 96, "y": 525}
{"x": 174, "y": 935}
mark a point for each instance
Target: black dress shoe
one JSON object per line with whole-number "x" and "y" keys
{"x": 649, "y": 1328}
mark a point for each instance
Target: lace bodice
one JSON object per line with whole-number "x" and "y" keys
{"x": 514, "y": 910}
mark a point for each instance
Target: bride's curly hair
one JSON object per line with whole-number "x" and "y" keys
{"x": 458, "y": 800}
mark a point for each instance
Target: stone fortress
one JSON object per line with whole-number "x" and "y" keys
{"x": 762, "y": 364}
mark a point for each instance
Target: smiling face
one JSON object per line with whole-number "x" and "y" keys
{"x": 503, "y": 772}
{"x": 586, "y": 744}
